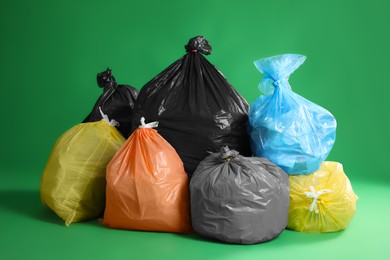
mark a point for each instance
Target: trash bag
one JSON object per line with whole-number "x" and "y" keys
{"x": 198, "y": 110}
{"x": 147, "y": 188}
{"x": 239, "y": 199}
{"x": 321, "y": 202}
{"x": 289, "y": 130}
{"x": 117, "y": 101}
{"x": 73, "y": 182}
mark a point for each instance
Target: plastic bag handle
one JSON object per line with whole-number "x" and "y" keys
{"x": 277, "y": 70}
{"x": 111, "y": 122}
{"x": 315, "y": 195}
{"x": 148, "y": 125}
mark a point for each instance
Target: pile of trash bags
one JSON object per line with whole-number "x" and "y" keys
{"x": 187, "y": 154}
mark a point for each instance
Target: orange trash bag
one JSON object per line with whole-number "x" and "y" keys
{"x": 147, "y": 187}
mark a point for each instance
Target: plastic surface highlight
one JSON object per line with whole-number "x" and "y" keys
{"x": 117, "y": 101}
{"x": 147, "y": 187}
{"x": 321, "y": 202}
{"x": 237, "y": 199}
{"x": 73, "y": 181}
{"x": 198, "y": 110}
{"x": 286, "y": 128}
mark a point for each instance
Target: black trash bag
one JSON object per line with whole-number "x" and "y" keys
{"x": 117, "y": 101}
{"x": 196, "y": 107}
{"x": 237, "y": 199}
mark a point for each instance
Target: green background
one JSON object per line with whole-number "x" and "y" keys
{"x": 50, "y": 54}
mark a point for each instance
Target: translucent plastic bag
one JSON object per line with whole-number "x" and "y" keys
{"x": 289, "y": 130}
{"x": 321, "y": 202}
{"x": 73, "y": 182}
{"x": 147, "y": 187}
{"x": 239, "y": 199}
{"x": 197, "y": 108}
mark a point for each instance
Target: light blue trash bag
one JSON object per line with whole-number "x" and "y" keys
{"x": 284, "y": 127}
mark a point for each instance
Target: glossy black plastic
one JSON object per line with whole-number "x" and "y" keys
{"x": 197, "y": 109}
{"x": 117, "y": 101}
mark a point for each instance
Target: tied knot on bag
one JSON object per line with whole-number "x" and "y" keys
{"x": 268, "y": 84}
{"x": 313, "y": 194}
{"x": 106, "y": 80}
{"x": 227, "y": 155}
{"x": 148, "y": 125}
{"x": 198, "y": 44}
{"x": 276, "y": 83}
{"x": 111, "y": 122}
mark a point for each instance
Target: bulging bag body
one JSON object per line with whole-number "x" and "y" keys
{"x": 147, "y": 187}
{"x": 197, "y": 109}
{"x": 73, "y": 181}
{"x": 117, "y": 101}
{"x": 289, "y": 130}
{"x": 321, "y": 202}
{"x": 238, "y": 199}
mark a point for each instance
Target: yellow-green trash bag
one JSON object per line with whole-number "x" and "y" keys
{"x": 73, "y": 183}
{"x": 322, "y": 201}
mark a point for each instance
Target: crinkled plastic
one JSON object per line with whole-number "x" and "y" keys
{"x": 198, "y": 110}
{"x": 147, "y": 187}
{"x": 321, "y": 202}
{"x": 117, "y": 101}
{"x": 73, "y": 182}
{"x": 239, "y": 199}
{"x": 289, "y": 130}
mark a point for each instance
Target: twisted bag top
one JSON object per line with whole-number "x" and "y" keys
{"x": 117, "y": 101}
{"x": 239, "y": 199}
{"x": 286, "y": 128}
{"x": 198, "y": 110}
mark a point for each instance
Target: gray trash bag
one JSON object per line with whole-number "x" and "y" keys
{"x": 237, "y": 199}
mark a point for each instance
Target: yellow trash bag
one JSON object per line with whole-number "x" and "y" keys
{"x": 73, "y": 183}
{"x": 322, "y": 201}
